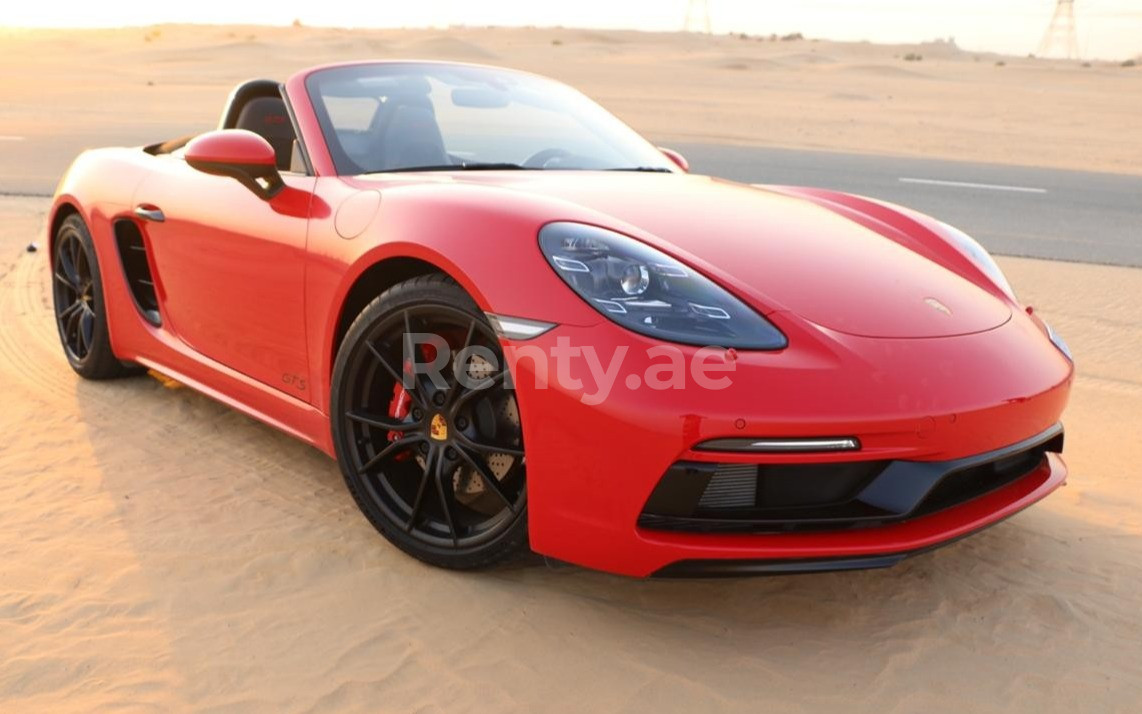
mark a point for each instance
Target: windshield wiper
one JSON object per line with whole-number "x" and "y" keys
{"x": 464, "y": 166}
{"x": 645, "y": 169}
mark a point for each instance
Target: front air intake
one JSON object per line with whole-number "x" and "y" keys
{"x": 696, "y": 496}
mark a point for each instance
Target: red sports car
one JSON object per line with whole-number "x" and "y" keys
{"x": 515, "y": 323}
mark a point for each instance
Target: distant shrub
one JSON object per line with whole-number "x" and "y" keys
{"x": 557, "y": 42}
{"x": 1000, "y": 63}
{"x": 913, "y": 57}
{"x": 1086, "y": 64}
{"x": 1130, "y": 63}
{"x": 297, "y": 22}
{"x": 793, "y": 37}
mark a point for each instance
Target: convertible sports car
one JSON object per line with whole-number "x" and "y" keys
{"x": 515, "y": 323}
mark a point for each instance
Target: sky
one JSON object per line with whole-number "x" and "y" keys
{"x": 1107, "y": 29}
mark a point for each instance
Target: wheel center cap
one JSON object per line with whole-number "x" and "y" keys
{"x": 438, "y": 427}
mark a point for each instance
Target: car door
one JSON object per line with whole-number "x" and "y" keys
{"x": 231, "y": 269}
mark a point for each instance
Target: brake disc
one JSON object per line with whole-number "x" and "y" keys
{"x": 466, "y": 483}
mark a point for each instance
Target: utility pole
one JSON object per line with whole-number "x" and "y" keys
{"x": 697, "y": 16}
{"x": 1061, "y": 31}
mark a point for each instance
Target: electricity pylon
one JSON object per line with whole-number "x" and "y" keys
{"x": 697, "y": 16}
{"x": 1061, "y": 31}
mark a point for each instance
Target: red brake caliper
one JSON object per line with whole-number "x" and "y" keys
{"x": 401, "y": 402}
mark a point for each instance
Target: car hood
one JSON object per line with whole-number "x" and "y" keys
{"x": 778, "y": 252}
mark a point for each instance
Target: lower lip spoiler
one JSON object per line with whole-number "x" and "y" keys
{"x": 730, "y": 568}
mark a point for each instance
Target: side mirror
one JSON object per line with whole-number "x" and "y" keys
{"x": 240, "y": 154}
{"x": 677, "y": 158}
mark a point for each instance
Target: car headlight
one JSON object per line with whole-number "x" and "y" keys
{"x": 978, "y": 255}
{"x": 649, "y": 292}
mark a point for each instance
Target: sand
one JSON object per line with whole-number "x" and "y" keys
{"x": 159, "y": 552}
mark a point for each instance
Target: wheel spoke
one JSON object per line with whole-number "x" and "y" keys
{"x": 75, "y": 253}
{"x": 65, "y": 280}
{"x": 406, "y": 341}
{"x": 453, "y": 378}
{"x": 446, "y": 499}
{"x": 381, "y": 422}
{"x": 394, "y": 447}
{"x": 488, "y": 448}
{"x": 67, "y": 319}
{"x": 484, "y": 386}
{"x": 68, "y": 264}
{"x": 86, "y": 328}
{"x": 412, "y": 393}
{"x": 81, "y": 264}
{"x": 427, "y": 476}
{"x": 73, "y": 322}
{"x": 490, "y": 481}
{"x": 71, "y": 310}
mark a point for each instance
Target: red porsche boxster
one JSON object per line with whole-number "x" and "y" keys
{"x": 517, "y": 324}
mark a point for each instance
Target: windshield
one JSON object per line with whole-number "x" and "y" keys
{"x": 412, "y": 116}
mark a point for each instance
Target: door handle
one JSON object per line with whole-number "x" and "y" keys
{"x": 150, "y": 213}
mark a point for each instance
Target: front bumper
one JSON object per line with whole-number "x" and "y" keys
{"x": 593, "y": 467}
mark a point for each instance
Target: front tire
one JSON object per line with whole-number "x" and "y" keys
{"x": 436, "y": 466}
{"x": 80, "y": 308}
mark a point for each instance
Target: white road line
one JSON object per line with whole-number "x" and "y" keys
{"x": 11, "y": 138}
{"x": 965, "y": 184}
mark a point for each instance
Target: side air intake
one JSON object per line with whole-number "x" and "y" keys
{"x": 137, "y": 268}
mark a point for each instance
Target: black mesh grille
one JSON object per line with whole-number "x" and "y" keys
{"x": 731, "y": 486}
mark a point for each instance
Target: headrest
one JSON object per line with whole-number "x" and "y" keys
{"x": 266, "y": 116}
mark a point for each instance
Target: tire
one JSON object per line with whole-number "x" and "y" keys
{"x": 79, "y": 305}
{"x": 445, "y": 480}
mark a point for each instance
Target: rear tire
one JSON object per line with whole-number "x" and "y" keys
{"x": 80, "y": 309}
{"x": 443, "y": 479}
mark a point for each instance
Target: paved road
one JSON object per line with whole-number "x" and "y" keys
{"x": 1042, "y": 213}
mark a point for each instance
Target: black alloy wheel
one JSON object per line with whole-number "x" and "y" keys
{"x": 436, "y": 462}
{"x": 78, "y": 299}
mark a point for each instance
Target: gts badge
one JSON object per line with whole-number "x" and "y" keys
{"x": 294, "y": 380}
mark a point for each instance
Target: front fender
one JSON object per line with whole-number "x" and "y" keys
{"x": 485, "y": 238}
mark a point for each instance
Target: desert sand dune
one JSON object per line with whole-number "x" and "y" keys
{"x": 160, "y": 552}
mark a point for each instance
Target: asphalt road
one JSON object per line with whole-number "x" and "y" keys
{"x": 1034, "y": 212}
{"x": 1011, "y": 210}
